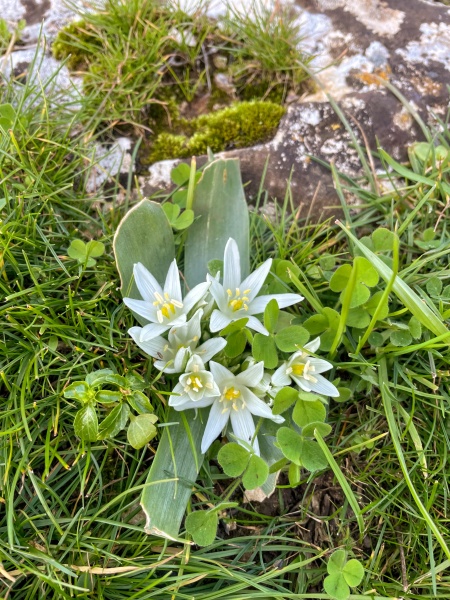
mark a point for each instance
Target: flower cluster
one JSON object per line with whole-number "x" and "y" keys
{"x": 234, "y": 390}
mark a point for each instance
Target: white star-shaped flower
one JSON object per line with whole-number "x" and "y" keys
{"x": 305, "y": 371}
{"x": 237, "y": 299}
{"x": 172, "y": 355}
{"x": 164, "y": 308}
{"x": 196, "y": 387}
{"x": 238, "y": 404}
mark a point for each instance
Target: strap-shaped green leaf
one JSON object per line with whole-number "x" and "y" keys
{"x": 221, "y": 212}
{"x": 178, "y": 456}
{"x": 144, "y": 235}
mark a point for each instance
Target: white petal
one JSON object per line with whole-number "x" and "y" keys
{"x": 257, "y": 406}
{"x": 256, "y": 325}
{"x": 244, "y": 427}
{"x": 218, "y": 293}
{"x": 231, "y": 266}
{"x": 313, "y": 345}
{"x": 153, "y": 347}
{"x": 146, "y": 283}
{"x": 218, "y": 321}
{"x": 279, "y": 378}
{"x": 172, "y": 285}
{"x": 195, "y": 361}
{"x": 259, "y": 304}
{"x": 255, "y": 280}
{"x": 142, "y": 308}
{"x": 251, "y": 376}
{"x": 161, "y": 365}
{"x": 302, "y": 383}
{"x": 180, "y": 360}
{"x": 152, "y": 330}
{"x": 194, "y": 404}
{"x": 221, "y": 374}
{"x": 195, "y": 295}
{"x": 210, "y": 348}
{"x": 320, "y": 365}
{"x": 216, "y": 422}
{"x": 192, "y": 328}
{"x": 176, "y": 394}
{"x": 325, "y": 387}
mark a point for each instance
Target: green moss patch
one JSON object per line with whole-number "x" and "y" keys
{"x": 237, "y": 126}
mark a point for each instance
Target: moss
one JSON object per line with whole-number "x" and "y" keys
{"x": 238, "y": 126}
{"x": 76, "y": 41}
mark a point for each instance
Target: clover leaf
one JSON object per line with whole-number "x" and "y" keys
{"x": 342, "y": 575}
{"x": 86, "y": 254}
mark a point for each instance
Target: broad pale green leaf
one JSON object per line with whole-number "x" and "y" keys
{"x": 234, "y": 326}
{"x": 180, "y": 174}
{"x": 233, "y": 459}
{"x": 336, "y": 586}
{"x": 340, "y": 278}
{"x": 97, "y": 378}
{"x": 236, "y": 343}
{"x": 291, "y": 338}
{"x": 171, "y": 211}
{"x": 383, "y": 240}
{"x": 290, "y": 443}
{"x": 357, "y": 317}
{"x": 141, "y": 430}
{"x": 108, "y": 396}
{"x": 140, "y": 403}
{"x": 185, "y": 220}
{"x": 95, "y": 249}
{"x": 401, "y": 338}
{"x": 114, "y": 422}
{"x": 305, "y": 413}
{"x": 415, "y": 328}
{"x": 144, "y": 235}
{"x": 178, "y": 456}
{"x": 202, "y": 525}
{"x": 86, "y": 424}
{"x": 372, "y": 305}
{"x": 77, "y": 250}
{"x": 221, "y": 212}
{"x": 256, "y": 473}
{"x": 312, "y": 457}
{"x": 264, "y": 349}
{"x": 7, "y": 116}
{"x": 271, "y": 315}
{"x": 336, "y": 562}
{"x": 353, "y": 572}
{"x": 79, "y": 390}
{"x": 325, "y": 324}
{"x": 323, "y": 428}
{"x": 434, "y": 286}
{"x": 2, "y": 203}
{"x": 284, "y": 399}
{"x": 215, "y": 266}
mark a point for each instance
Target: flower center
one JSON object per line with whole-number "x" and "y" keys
{"x": 234, "y": 396}
{"x": 166, "y": 306}
{"x": 303, "y": 370}
{"x": 193, "y": 383}
{"x": 298, "y": 369}
{"x": 238, "y": 300}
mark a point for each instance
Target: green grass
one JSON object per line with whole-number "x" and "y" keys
{"x": 151, "y": 68}
{"x": 70, "y": 525}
